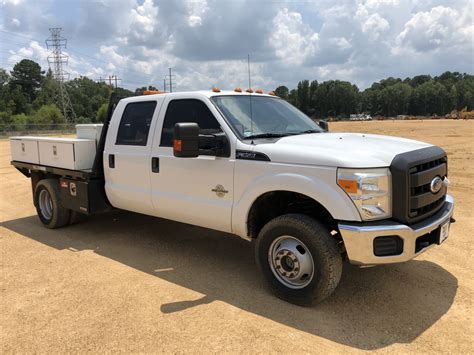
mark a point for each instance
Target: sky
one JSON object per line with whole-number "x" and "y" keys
{"x": 206, "y": 42}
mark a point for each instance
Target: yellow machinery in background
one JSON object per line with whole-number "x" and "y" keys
{"x": 463, "y": 114}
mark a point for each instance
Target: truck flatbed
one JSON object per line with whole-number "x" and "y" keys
{"x": 27, "y": 168}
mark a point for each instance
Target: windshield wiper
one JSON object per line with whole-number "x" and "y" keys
{"x": 307, "y": 131}
{"x": 267, "y": 135}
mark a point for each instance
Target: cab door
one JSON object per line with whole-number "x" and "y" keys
{"x": 127, "y": 163}
{"x": 197, "y": 191}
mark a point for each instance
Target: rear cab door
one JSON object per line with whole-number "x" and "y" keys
{"x": 127, "y": 162}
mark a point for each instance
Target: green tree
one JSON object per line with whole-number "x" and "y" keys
{"x": 282, "y": 92}
{"x": 49, "y": 89}
{"x": 453, "y": 97}
{"x": 49, "y": 114}
{"x": 302, "y": 96}
{"x": 102, "y": 113}
{"x": 27, "y": 75}
{"x": 395, "y": 99}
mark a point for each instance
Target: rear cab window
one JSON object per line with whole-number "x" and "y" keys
{"x": 135, "y": 123}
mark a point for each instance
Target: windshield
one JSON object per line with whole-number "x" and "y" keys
{"x": 271, "y": 117}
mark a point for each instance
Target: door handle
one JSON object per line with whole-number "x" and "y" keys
{"x": 155, "y": 164}
{"x": 111, "y": 161}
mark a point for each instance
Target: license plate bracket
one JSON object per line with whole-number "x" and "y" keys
{"x": 443, "y": 232}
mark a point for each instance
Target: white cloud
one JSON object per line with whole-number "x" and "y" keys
{"x": 375, "y": 25}
{"x": 440, "y": 28}
{"x": 207, "y": 41}
{"x": 292, "y": 40}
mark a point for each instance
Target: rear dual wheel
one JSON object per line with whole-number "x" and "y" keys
{"x": 48, "y": 204}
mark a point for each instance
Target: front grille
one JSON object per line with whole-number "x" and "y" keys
{"x": 412, "y": 174}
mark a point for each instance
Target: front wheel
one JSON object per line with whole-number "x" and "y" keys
{"x": 299, "y": 259}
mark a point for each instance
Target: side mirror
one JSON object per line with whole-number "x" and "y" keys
{"x": 189, "y": 143}
{"x": 186, "y": 140}
{"x": 324, "y": 125}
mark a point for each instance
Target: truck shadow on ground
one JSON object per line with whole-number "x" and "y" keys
{"x": 372, "y": 308}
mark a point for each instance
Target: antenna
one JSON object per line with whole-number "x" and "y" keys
{"x": 250, "y": 96}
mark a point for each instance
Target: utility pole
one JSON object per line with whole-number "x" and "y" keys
{"x": 169, "y": 78}
{"x": 56, "y": 60}
{"x": 114, "y": 77}
{"x": 111, "y": 79}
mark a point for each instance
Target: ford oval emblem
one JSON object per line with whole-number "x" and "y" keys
{"x": 436, "y": 184}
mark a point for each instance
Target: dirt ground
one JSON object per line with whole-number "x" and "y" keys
{"x": 132, "y": 283}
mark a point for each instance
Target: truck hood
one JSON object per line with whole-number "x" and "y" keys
{"x": 350, "y": 150}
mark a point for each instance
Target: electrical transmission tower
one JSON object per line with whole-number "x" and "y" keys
{"x": 56, "y": 60}
{"x": 169, "y": 80}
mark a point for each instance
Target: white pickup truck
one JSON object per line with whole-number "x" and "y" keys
{"x": 252, "y": 165}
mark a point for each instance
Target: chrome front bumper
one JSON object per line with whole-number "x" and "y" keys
{"x": 359, "y": 237}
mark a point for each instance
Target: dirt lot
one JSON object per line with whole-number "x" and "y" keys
{"x": 126, "y": 282}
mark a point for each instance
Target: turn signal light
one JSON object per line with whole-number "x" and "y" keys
{"x": 237, "y": 89}
{"x": 216, "y": 90}
{"x": 178, "y": 145}
{"x": 350, "y": 186}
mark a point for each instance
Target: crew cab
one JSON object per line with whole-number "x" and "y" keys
{"x": 252, "y": 165}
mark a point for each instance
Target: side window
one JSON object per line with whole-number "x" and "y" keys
{"x": 135, "y": 123}
{"x": 187, "y": 110}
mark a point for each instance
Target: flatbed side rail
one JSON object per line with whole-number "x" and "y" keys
{"x": 27, "y": 168}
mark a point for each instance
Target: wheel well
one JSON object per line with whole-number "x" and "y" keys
{"x": 277, "y": 203}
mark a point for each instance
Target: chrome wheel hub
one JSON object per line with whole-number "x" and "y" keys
{"x": 291, "y": 262}
{"x": 45, "y": 204}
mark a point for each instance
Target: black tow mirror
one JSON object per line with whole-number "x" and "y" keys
{"x": 186, "y": 140}
{"x": 324, "y": 125}
{"x": 190, "y": 143}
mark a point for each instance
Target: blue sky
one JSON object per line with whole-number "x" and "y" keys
{"x": 207, "y": 41}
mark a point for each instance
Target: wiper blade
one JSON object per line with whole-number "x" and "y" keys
{"x": 309, "y": 131}
{"x": 267, "y": 135}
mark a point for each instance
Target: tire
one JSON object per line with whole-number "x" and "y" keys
{"x": 48, "y": 204}
{"x": 286, "y": 245}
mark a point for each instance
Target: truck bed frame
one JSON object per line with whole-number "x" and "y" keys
{"x": 81, "y": 190}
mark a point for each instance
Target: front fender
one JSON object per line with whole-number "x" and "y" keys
{"x": 321, "y": 188}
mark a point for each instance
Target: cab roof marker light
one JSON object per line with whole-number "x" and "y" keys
{"x": 272, "y": 93}
{"x": 238, "y": 89}
{"x": 216, "y": 90}
{"x": 259, "y": 91}
{"x": 153, "y": 92}
{"x": 249, "y": 91}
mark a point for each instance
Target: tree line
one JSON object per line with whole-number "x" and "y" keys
{"x": 28, "y": 95}
{"x": 422, "y": 95}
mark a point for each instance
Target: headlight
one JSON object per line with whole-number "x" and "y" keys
{"x": 370, "y": 189}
